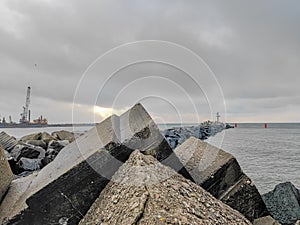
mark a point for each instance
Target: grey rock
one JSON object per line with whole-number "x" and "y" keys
{"x": 68, "y": 186}
{"x": 283, "y": 203}
{"x": 35, "y": 136}
{"x": 27, "y": 164}
{"x": 27, "y": 151}
{"x": 6, "y": 175}
{"x": 144, "y": 191}
{"x": 219, "y": 173}
{"x": 7, "y": 154}
{"x": 64, "y": 135}
{"x": 267, "y": 220}
{"x": 43, "y": 136}
{"x": 58, "y": 145}
{"x": 39, "y": 143}
{"x": 47, "y": 137}
{"x": 54, "y": 147}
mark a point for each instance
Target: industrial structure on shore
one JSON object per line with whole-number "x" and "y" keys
{"x": 25, "y": 117}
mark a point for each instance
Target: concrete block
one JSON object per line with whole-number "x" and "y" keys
{"x": 144, "y": 191}
{"x": 6, "y": 175}
{"x": 219, "y": 173}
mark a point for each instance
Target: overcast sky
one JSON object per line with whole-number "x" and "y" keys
{"x": 252, "y": 48}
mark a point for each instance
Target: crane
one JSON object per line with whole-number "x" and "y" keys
{"x": 24, "y": 114}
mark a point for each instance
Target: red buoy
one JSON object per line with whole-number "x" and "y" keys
{"x": 266, "y": 125}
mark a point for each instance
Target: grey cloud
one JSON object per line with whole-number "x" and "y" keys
{"x": 252, "y": 47}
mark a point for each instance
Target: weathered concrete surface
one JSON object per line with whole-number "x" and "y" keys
{"x": 144, "y": 191}
{"x": 267, "y": 220}
{"x": 219, "y": 173}
{"x": 66, "y": 188}
{"x": 6, "y": 174}
{"x": 283, "y": 203}
{"x": 14, "y": 201}
{"x": 7, "y": 142}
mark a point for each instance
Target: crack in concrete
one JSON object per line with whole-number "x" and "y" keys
{"x": 140, "y": 216}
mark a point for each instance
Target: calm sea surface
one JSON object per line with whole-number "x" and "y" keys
{"x": 268, "y": 156}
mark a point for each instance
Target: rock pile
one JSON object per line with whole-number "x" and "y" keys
{"x": 283, "y": 203}
{"x": 33, "y": 152}
{"x": 144, "y": 191}
{"x": 177, "y": 135}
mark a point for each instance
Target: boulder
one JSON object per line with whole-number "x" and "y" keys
{"x": 54, "y": 148}
{"x": 144, "y": 191}
{"x": 267, "y": 220}
{"x": 35, "y": 136}
{"x": 58, "y": 145}
{"x": 27, "y": 151}
{"x": 7, "y": 142}
{"x": 28, "y": 164}
{"x": 67, "y": 187}
{"x": 27, "y": 157}
{"x": 64, "y": 135}
{"x": 283, "y": 203}
{"x": 219, "y": 173}
{"x": 6, "y": 175}
{"x": 47, "y": 137}
{"x": 39, "y": 143}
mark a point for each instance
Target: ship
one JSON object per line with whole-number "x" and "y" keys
{"x": 24, "y": 121}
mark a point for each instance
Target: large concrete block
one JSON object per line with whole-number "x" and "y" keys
{"x": 219, "y": 173}
{"x": 65, "y": 189}
{"x": 7, "y": 142}
{"x": 6, "y": 176}
{"x": 144, "y": 191}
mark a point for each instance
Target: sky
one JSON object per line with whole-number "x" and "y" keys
{"x": 183, "y": 60}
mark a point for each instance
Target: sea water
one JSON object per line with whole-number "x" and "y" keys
{"x": 268, "y": 156}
